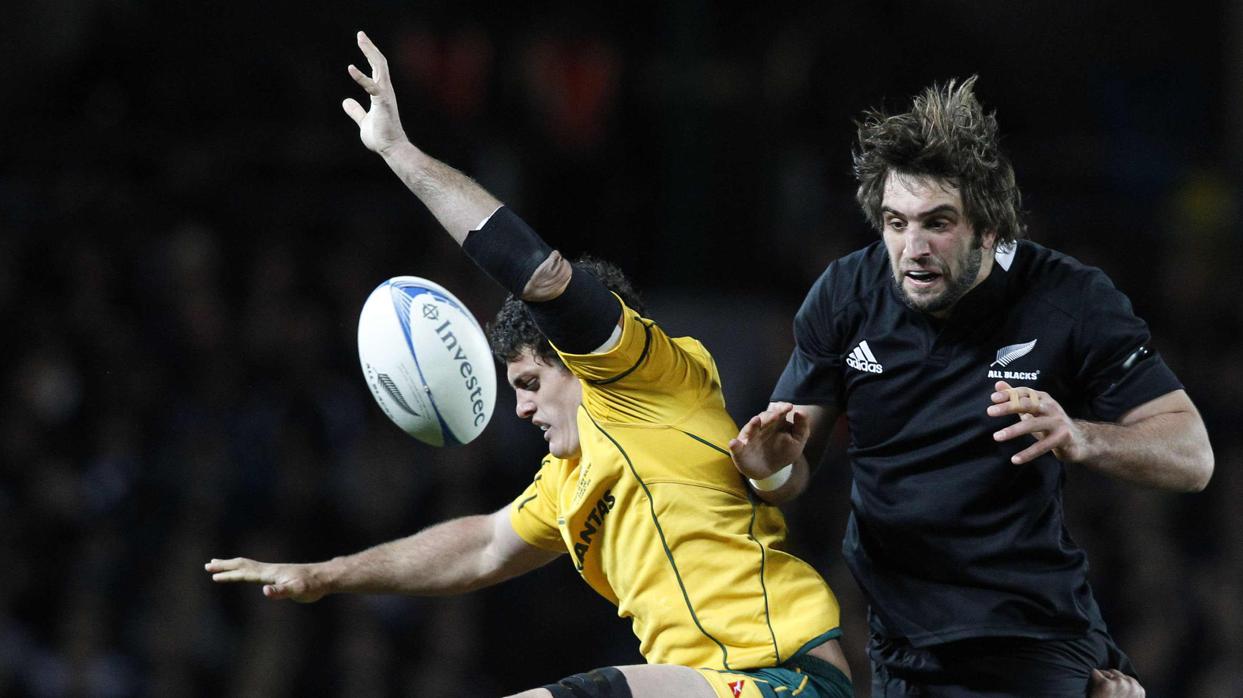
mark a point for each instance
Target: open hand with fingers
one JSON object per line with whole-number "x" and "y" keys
{"x": 770, "y": 440}
{"x": 380, "y": 126}
{"x": 300, "y": 583}
{"x": 1041, "y": 417}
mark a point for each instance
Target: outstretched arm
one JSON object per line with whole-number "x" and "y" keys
{"x": 506, "y": 248}
{"x": 777, "y": 438}
{"x": 1162, "y": 443}
{"x": 457, "y": 201}
{"x": 453, "y": 557}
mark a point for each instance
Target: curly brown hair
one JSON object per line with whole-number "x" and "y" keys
{"x": 947, "y": 136}
{"x": 514, "y": 330}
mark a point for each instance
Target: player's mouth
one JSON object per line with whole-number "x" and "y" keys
{"x": 922, "y": 278}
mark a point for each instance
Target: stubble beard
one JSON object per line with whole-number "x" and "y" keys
{"x": 954, "y": 290}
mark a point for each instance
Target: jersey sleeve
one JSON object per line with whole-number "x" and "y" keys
{"x": 646, "y": 376}
{"x": 813, "y": 375}
{"x": 1118, "y": 368}
{"x": 533, "y": 514}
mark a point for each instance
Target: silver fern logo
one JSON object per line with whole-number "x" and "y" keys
{"x": 1013, "y": 352}
{"x": 391, "y": 388}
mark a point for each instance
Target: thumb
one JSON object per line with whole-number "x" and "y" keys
{"x": 284, "y": 590}
{"x": 274, "y": 591}
{"x": 801, "y": 429}
{"x": 355, "y": 110}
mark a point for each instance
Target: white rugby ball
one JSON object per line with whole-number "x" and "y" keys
{"x": 427, "y": 361}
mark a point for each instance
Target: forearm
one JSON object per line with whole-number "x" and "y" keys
{"x": 506, "y": 247}
{"x": 457, "y": 201}
{"x": 1169, "y": 451}
{"x": 448, "y": 558}
{"x": 511, "y": 252}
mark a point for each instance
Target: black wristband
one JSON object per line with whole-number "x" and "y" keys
{"x": 507, "y": 249}
{"x": 581, "y": 318}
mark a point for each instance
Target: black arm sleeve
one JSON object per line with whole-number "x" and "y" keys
{"x": 507, "y": 249}
{"x": 577, "y": 321}
{"x": 581, "y": 318}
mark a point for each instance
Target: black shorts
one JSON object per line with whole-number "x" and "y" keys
{"x": 992, "y": 666}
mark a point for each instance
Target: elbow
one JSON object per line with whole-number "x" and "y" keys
{"x": 1199, "y": 461}
{"x": 1201, "y": 471}
{"x": 1195, "y": 470}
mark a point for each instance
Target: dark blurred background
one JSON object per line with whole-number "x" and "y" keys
{"x": 189, "y": 227}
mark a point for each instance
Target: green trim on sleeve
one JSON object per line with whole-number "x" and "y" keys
{"x": 523, "y": 503}
{"x": 647, "y": 346}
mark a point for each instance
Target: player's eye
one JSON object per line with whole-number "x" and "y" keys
{"x": 895, "y": 223}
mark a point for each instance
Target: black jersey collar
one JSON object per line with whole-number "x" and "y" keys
{"x": 983, "y": 299}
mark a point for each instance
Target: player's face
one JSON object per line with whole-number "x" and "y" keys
{"x": 549, "y": 396}
{"x": 934, "y": 250}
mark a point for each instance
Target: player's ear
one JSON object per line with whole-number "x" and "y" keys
{"x": 988, "y": 239}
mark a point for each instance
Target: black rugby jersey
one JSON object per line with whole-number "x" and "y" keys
{"x": 947, "y": 538}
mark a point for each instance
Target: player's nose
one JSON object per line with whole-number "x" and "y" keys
{"x": 917, "y": 244}
{"x": 525, "y": 409}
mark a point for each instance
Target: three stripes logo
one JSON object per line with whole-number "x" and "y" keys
{"x": 863, "y": 359}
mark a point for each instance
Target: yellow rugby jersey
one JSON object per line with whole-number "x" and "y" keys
{"x": 657, "y": 519}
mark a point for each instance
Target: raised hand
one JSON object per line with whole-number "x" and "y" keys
{"x": 380, "y": 126}
{"x": 770, "y": 440}
{"x": 280, "y": 581}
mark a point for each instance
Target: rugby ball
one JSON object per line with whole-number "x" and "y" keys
{"x": 427, "y": 361}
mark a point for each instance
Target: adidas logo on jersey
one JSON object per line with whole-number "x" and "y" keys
{"x": 862, "y": 359}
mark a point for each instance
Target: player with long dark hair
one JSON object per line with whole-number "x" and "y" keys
{"x": 972, "y": 367}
